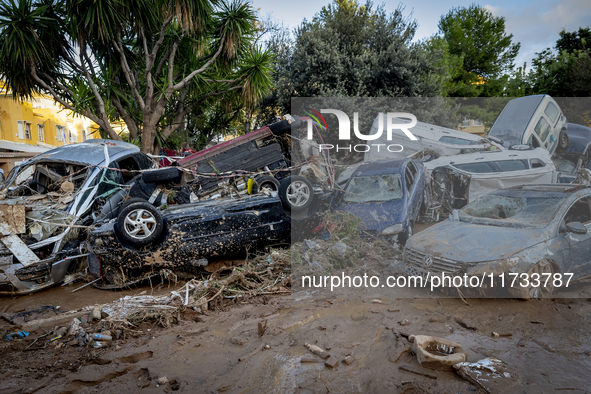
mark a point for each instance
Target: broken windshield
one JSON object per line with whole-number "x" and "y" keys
{"x": 374, "y": 188}
{"x": 511, "y": 211}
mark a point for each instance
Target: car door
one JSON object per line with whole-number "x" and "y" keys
{"x": 580, "y": 244}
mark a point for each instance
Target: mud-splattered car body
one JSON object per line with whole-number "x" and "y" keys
{"x": 193, "y": 235}
{"x": 47, "y": 200}
{"x": 385, "y": 195}
{"x": 550, "y": 223}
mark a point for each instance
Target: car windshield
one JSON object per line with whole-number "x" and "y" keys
{"x": 374, "y": 188}
{"x": 512, "y": 210}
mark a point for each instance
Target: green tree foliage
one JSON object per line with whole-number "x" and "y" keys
{"x": 350, "y": 49}
{"x": 566, "y": 70}
{"x": 474, "y": 35}
{"x": 157, "y": 64}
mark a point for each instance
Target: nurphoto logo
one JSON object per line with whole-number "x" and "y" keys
{"x": 394, "y": 121}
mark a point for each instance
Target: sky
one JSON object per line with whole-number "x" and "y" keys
{"x": 533, "y": 23}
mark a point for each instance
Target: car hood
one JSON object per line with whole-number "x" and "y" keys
{"x": 474, "y": 243}
{"x": 377, "y": 216}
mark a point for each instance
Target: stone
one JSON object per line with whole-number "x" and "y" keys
{"x": 437, "y": 353}
{"x": 74, "y": 326}
{"x": 96, "y": 313}
{"x": 349, "y": 360}
{"x": 331, "y": 362}
{"x": 162, "y": 380}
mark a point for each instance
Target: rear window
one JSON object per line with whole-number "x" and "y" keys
{"x": 542, "y": 129}
{"x": 454, "y": 140}
{"x": 475, "y": 167}
{"x": 552, "y": 112}
{"x": 511, "y": 165}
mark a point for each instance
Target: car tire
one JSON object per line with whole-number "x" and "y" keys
{"x": 528, "y": 292}
{"x": 139, "y": 222}
{"x": 296, "y": 193}
{"x": 563, "y": 139}
{"x": 163, "y": 175}
{"x": 267, "y": 181}
{"x": 406, "y": 234}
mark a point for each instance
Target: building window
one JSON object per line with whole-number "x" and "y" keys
{"x": 59, "y": 133}
{"x": 21, "y": 132}
{"x": 466, "y": 123}
{"x": 41, "y": 132}
{"x": 72, "y": 136}
{"x": 476, "y": 123}
{"x": 28, "y": 130}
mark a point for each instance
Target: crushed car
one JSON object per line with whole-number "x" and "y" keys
{"x": 263, "y": 159}
{"x": 457, "y": 180}
{"x": 531, "y": 229}
{"x": 386, "y": 196}
{"x": 441, "y": 140}
{"x": 533, "y": 120}
{"x": 145, "y": 242}
{"x": 47, "y": 202}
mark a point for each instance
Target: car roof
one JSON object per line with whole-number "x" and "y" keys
{"x": 488, "y": 156}
{"x": 380, "y": 167}
{"x": 89, "y": 152}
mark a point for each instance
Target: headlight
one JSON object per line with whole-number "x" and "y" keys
{"x": 395, "y": 229}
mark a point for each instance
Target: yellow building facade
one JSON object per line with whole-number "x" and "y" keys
{"x": 30, "y": 127}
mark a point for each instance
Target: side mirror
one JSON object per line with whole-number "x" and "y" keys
{"x": 576, "y": 227}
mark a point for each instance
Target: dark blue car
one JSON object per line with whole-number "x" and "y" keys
{"x": 386, "y": 195}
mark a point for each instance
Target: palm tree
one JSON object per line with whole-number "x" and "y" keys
{"x": 149, "y": 63}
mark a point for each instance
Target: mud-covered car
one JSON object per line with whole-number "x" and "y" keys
{"x": 264, "y": 159}
{"x": 386, "y": 196}
{"x": 145, "y": 240}
{"x": 47, "y": 202}
{"x": 537, "y": 230}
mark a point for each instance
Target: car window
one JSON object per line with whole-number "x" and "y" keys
{"x": 373, "y": 188}
{"x": 412, "y": 168}
{"x": 144, "y": 161}
{"x": 579, "y": 212}
{"x": 454, "y": 140}
{"x": 129, "y": 168}
{"x": 542, "y": 129}
{"x": 537, "y": 163}
{"x": 409, "y": 179}
{"x": 511, "y": 165}
{"x": 479, "y": 168}
{"x": 552, "y": 112}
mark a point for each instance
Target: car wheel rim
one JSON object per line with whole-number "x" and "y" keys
{"x": 563, "y": 139}
{"x": 298, "y": 193}
{"x": 140, "y": 223}
{"x": 269, "y": 185}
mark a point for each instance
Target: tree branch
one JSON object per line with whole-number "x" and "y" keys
{"x": 127, "y": 71}
{"x": 101, "y": 122}
{"x": 186, "y": 80}
{"x": 152, "y": 56}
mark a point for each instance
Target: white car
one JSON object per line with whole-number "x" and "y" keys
{"x": 442, "y": 140}
{"x": 534, "y": 120}
{"x": 459, "y": 180}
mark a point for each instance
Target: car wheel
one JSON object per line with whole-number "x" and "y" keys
{"x": 265, "y": 181}
{"x": 563, "y": 139}
{"x": 406, "y": 234}
{"x": 139, "y": 222}
{"x": 296, "y": 193}
{"x": 539, "y": 270}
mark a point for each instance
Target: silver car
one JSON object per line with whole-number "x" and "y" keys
{"x": 46, "y": 203}
{"x": 541, "y": 231}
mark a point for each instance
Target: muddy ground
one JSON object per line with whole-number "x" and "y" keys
{"x": 222, "y": 351}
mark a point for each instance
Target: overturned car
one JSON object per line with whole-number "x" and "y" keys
{"x": 145, "y": 242}
{"x": 47, "y": 202}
